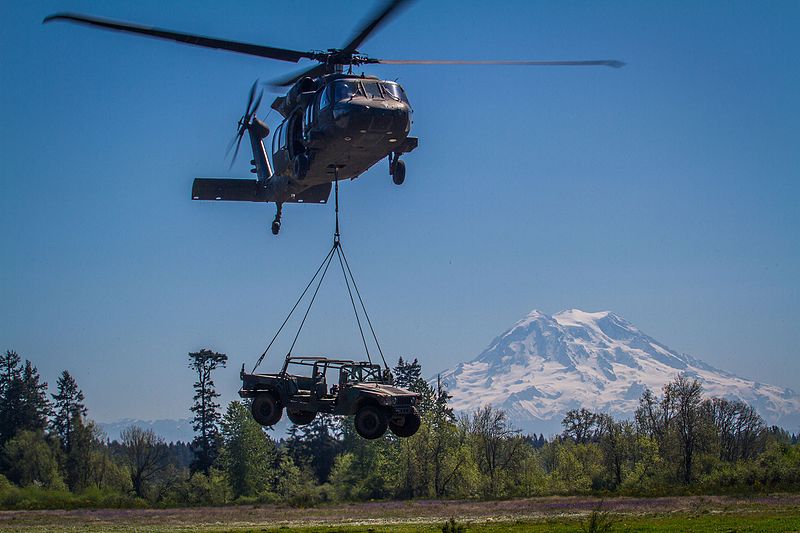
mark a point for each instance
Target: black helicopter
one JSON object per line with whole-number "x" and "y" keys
{"x": 336, "y": 124}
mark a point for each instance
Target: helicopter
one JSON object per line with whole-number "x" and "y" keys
{"x": 336, "y": 124}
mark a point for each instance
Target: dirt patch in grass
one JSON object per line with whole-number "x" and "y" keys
{"x": 418, "y": 515}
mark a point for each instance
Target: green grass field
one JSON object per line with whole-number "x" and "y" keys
{"x": 775, "y": 513}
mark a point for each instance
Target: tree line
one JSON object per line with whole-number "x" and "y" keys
{"x": 678, "y": 441}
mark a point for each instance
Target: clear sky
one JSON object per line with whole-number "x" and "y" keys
{"x": 666, "y": 191}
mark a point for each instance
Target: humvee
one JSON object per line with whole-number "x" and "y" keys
{"x": 362, "y": 389}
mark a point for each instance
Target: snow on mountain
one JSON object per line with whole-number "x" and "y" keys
{"x": 546, "y": 365}
{"x": 171, "y": 430}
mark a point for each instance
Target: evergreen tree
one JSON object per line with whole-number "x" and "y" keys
{"x": 10, "y": 369}
{"x": 249, "y": 454}
{"x": 408, "y": 375}
{"x": 10, "y": 373}
{"x": 439, "y": 408}
{"x": 315, "y": 445}
{"x": 36, "y": 408}
{"x": 206, "y": 410}
{"x": 68, "y": 406}
{"x": 25, "y": 405}
{"x": 80, "y": 465}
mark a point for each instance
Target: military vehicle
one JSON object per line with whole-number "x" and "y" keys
{"x": 363, "y": 389}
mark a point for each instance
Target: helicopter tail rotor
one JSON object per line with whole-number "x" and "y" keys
{"x": 246, "y": 121}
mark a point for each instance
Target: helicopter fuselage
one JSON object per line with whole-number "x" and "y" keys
{"x": 334, "y": 127}
{"x": 347, "y": 124}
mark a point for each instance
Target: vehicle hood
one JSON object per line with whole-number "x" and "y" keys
{"x": 389, "y": 390}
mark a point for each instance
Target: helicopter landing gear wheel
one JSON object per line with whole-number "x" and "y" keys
{"x": 301, "y": 166}
{"x": 276, "y": 224}
{"x": 398, "y": 171}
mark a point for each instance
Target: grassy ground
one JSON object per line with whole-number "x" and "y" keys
{"x": 778, "y": 513}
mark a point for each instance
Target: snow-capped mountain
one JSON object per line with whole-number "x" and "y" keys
{"x": 171, "y": 430}
{"x": 546, "y": 365}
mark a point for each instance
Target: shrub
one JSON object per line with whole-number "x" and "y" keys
{"x": 451, "y": 526}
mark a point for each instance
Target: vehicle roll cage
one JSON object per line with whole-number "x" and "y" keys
{"x": 316, "y": 362}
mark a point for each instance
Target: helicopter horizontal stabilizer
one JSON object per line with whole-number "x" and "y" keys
{"x": 236, "y": 190}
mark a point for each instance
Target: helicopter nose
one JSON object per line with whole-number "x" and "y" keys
{"x": 366, "y": 118}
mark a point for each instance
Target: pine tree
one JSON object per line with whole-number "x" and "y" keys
{"x": 315, "y": 445}
{"x": 36, "y": 407}
{"x": 10, "y": 373}
{"x": 440, "y": 409}
{"x": 10, "y": 369}
{"x": 206, "y": 410}
{"x": 25, "y": 405}
{"x": 408, "y": 375}
{"x": 79, "y": 467}
{"x": 68, "y": 405}
{"x": 249, "y": 454}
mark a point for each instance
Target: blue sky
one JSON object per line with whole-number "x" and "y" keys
{"x": 666, "y": 191}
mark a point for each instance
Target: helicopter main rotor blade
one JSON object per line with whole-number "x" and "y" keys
{"x": 379, "y": 18}
{"x": 613, "y": 63}
{"x": 289, "y": 79}
{"x": 282, "y": 54}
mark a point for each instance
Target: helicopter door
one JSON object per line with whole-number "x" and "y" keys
{"x": 312, "y": 114}
{"x": 280, "y": 151}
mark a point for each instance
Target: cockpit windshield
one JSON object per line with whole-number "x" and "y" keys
{"x": 372, "y": 89}
{"x": 344, "y": 90}
{"x": 394, "y": 91}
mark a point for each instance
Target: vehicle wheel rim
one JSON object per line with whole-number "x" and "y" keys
{"x": 370, "y": 423}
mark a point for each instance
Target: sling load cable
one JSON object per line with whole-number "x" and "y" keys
{"x": 346, "y": 273}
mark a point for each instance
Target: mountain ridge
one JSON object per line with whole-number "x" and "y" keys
{"x": 545, "y": 365}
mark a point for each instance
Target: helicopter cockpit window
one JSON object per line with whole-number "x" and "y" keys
{"x": 324, "y": 99}
{"x": 372, "y": 89}
{"x": 344, "y": 90}
{"x": 394, "y": 91}
{"x": 282, "y": 136}
{"x": 276, "y": 138}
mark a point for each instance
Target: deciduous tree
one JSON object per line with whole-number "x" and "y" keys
{"x": 145, "y": 456}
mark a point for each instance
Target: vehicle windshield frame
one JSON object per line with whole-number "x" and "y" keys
{"x": 366, "y": 373}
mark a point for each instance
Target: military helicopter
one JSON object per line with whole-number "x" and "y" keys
{"x": 336, "y": 124}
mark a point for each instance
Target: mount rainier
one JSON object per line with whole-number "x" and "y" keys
{"x": 544, "y": 366}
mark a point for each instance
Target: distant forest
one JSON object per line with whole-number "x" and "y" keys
{"x": 52, "y": 455}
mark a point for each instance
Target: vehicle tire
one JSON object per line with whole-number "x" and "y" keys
{"x": 399, "y": 172}
{"x": 266, "y": 409}
{"x": 299, "y": 417}
{"x": 371, "y": 422}
{"x": 409, "y": 424}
